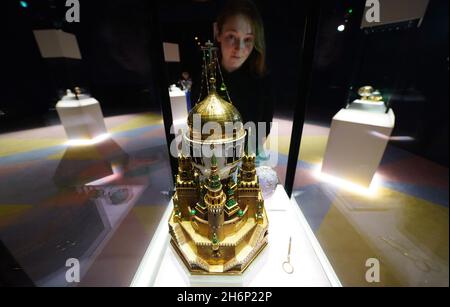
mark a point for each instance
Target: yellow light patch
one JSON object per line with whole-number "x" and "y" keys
{"x": 20, "y": 145}
{"x": 139, "y": 121}
{"x": 312, "y": 148}
{"x": 349, "y": 244}
{"x": 9, "y": 213}
{"x": 149, "y": 216}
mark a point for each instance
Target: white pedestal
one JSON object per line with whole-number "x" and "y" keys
{"x": 161, "y": 266}
{"x": 371, "y": 106}
{"x": 356, "y": 144}
{"x": 82, "y": 119}
{"x": 178, "y": 104}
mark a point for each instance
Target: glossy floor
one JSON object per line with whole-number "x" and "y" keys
{"x": 404, "y": 224}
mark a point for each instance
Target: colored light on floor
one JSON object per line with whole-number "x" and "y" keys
{"x": 393, "y": 138}
{"x": 349, "y": 186}
{"x": 88, "y": 142}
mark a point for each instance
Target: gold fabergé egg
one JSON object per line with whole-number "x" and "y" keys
{"x": 365, "y": 91}
{"x": 376, "y": 98}
{"x": 215, "y": 127}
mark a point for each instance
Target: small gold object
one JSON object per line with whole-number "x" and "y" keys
{"x": 77, "y": 92}
{"x": 365, "y": 91}
{"x": 375, "y": 98}
{"x": 287, "y": 266}
{"x": 369, "y": 94}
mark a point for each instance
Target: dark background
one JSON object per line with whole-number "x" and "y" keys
{"x": 410, "y": 65}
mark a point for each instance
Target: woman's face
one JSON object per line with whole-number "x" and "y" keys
{"x": 236, "y": 42}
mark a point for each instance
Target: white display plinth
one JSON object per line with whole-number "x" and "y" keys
{"x": 82, "y": 119}
{"x": 178, "y": 104}
{"x": 356, "y": 144}
{"x": 371, "y": 106}
{"x": 162, "y": 267}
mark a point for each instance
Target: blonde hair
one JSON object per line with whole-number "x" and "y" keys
{"x": 246, "y": 8}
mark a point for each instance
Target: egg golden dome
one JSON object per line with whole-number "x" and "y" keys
{"x": 214, "y": 109}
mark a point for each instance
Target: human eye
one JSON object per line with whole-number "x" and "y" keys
{"x": 230, "y": 37}
{"x": 249, "y": 41}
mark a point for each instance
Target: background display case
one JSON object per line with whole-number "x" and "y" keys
{"x": 357, "y": 220}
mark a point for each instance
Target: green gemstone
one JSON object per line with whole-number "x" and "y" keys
{"x": 214, "y": 185}
{"x": 213, "y": 160}
{"x": 240, "y": 213}
{"x": 231, "y": 202}
{"x": 193, "y": 212}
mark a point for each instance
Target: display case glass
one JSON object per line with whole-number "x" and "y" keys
{"x": 84, "y": 160}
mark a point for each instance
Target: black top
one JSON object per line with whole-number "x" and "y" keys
{"x": 249, "y": 93}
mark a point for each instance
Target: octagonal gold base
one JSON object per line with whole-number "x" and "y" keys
{"x": 234, "y": 254}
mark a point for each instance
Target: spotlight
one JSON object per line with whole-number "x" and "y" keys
{"x": 371, "y": 191}
{"x": 341, "y": 28}
{"x": 23, "y": 4}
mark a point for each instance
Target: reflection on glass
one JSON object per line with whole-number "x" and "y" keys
{"x": 97, "y": 186}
